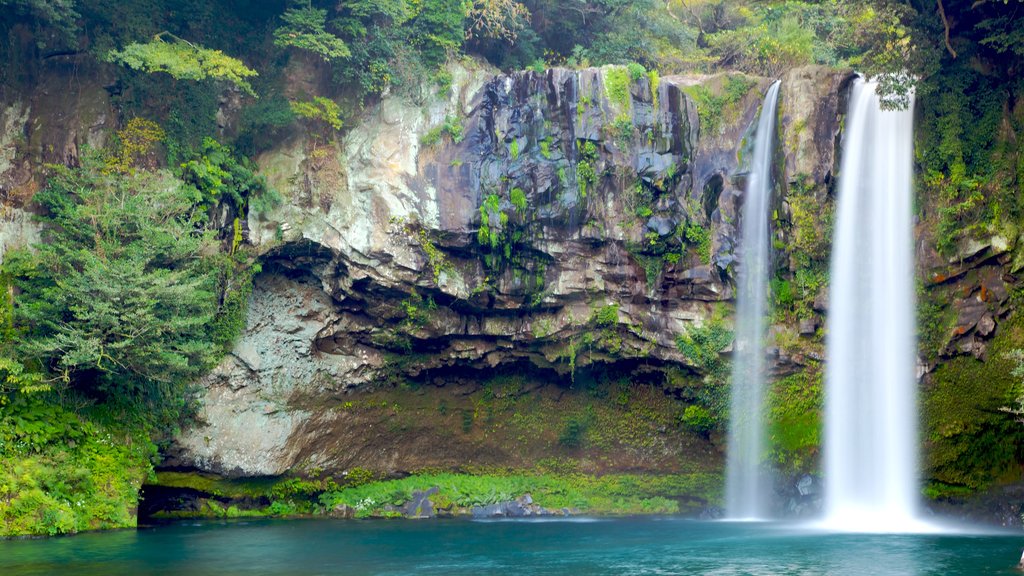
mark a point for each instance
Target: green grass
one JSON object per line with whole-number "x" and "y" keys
{"x": 616, "y": 494}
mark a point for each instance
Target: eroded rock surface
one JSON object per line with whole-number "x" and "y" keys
{"x": 585, "y": 194}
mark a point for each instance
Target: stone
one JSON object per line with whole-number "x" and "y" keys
{"x": 986, "y": 326}
{"x": 343, "y": 511}
{"x": 808, "y": 326}
{"x": 661, "y": 224}
{"x": 419, "y": 505}
{"x": 820, "y": 303}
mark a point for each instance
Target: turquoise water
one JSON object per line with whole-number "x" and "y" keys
{"x": 621, "y": 546}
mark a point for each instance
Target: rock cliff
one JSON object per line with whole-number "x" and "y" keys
{"x": 547, "y": 223}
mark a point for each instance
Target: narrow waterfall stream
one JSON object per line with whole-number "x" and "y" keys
{"x": 746, "y": 486}
{"x": 870, "y": 449}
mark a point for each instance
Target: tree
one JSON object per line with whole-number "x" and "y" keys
{"x": 304, "y": 28}
{"x": 60, "y": 14}
{"x": 121, "y": 294}
{"x": 501, "y": 19}
{"x": 184, "y": 60}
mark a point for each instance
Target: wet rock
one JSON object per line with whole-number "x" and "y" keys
{"x": 712, "y": 513}
{"x": 661, "y": 224}
{"x": 419, "y": 505}
{"x": 521, "y": 507}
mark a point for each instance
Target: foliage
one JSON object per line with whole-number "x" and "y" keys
{"x": 616, "y": 83}
{"x": 969, "y": 166}
{"x": 718, "y": 102}
{"x": 586, "y": 176}
{"x": 184, "y": 60}
{"x": 121, "y": 300}
{"x": 135, "y": 143}
{"x": 698, "y": 419}
{"x": 501, "y": 19}
{"x": 304, "y": 29}
{"x": 702, "y": 346}
{"x": 452, "y": 127}
{"x": 700, "y": 238}
{"x": 323, "y": 113}
{"x": 61, "y": 473}
{"x": 218, "y": 176}
{"x": 518, "y": 199}
{"x": 58, "y": 14}
{"x": 435, "y": 257}
{"x": 794, "y": 420}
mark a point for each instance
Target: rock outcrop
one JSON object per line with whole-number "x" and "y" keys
{"x": 553, "y": 221}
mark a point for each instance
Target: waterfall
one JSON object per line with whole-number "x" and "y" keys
{"x": 870, "y": 390}
{"x": 746, "y": 486}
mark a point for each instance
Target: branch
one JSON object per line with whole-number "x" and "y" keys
{"x": 668, "y": 8}
{"x": 700, "y": 23}
{"x": 945, "y": 23}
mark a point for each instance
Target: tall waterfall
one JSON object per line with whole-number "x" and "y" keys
{"x": 746, "y": 486}
{"x": 870, "y": 393}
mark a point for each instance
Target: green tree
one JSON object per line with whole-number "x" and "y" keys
{"x": 119, "y": 297}
{"x": 304, "y": 28}
{"x": 184, "y": 60}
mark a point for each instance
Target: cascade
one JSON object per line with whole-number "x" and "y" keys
{"x": 870, "y": 455}
{"x": 746, "y": 486}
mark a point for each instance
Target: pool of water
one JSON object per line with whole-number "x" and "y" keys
{"x": 577, "y": 546}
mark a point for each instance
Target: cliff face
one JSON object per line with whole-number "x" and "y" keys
{"x": 563, "y": 224}
{"x": 498, "y": 276}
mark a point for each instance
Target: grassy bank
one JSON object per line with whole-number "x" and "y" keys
{"x": 612, "y": 494}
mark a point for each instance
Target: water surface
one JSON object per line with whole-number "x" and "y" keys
{"x": 621, "y": 546}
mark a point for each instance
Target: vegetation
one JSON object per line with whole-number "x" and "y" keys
{"x": 717, "y": 102}
{"x": 184, "y": 60}
{"x": 794, "y": 420}
{"x": 129, "y": 299}
{"x": 63, "y": 473}
{"x": 970, "y": 439}
{"x": 580, "y": 493}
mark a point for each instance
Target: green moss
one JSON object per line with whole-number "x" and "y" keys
{"x": 794, "y": 420}
{"x": 545, "y": 148}
{"x": 970, "y": 442}
{"x": 935, "y": 321}
{"x": 226, "y": 488}
{"x": 518, "y": 199}
{"x": 452, "y": 127}
{"x": 655, "y": 81}
{"x": 607, "y": 315}
{"x": 622, "y": 131}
